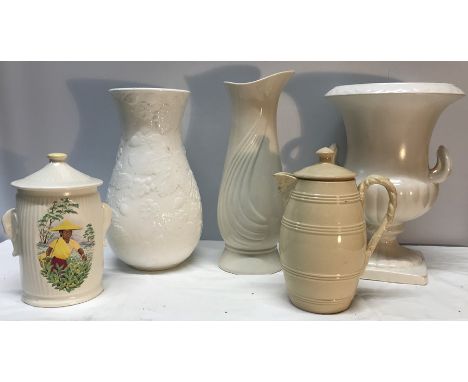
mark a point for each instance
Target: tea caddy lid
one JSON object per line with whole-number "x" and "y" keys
{"x": 56, "y": 175}
{"x": 325, "y": 170}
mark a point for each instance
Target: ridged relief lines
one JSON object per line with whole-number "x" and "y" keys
{"x": 321, "y": 277}
{"x": 327, "y": 199}
{"x": 317, "y": 301}
{"x": 323, "y": 230}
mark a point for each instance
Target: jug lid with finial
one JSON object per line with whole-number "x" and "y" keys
{"x": 326, "y": 169}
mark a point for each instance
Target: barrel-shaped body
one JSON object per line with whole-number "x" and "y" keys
{"x": 75, "y": 277}
{"x": 322, "y": 245}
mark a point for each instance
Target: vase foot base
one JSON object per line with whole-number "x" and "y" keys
{"x": 242, "y": 262}
{"x": 151, "y": 269}
{"x": 396, "y": 264}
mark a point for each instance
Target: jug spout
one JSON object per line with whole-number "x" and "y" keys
{"x": 286, "y": 183}
{"x": 269, "y": 87}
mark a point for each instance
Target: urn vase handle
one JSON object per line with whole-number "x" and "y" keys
{"x": 442, "y": 168}
{"x": 390, "y": 214}
{"x": 10, "y": 226}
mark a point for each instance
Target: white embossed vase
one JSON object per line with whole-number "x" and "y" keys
{"x": 249, "y": 204}
{"x": 389, "y": 128}
{"x": 157, "y": 216}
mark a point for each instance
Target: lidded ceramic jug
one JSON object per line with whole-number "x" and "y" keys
{"x": 323, "y": 246}
{"x": 58, "y": 229}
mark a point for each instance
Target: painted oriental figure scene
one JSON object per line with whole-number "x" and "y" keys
{"x": 65, "y": 248}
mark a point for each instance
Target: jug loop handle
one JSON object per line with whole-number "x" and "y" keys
{"x": 10, "y": 226}
{"x": 392, "y": 204}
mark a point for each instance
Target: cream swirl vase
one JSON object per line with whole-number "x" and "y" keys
{"x": 389, "y": 128}
{"x": 157, "y": 215}
{"x": 323, "y": 245}
{"x": 249, "y": 205}
{"x": 57, "y": 230}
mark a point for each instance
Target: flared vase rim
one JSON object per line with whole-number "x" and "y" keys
{"x": 142, "y": 89}
{"x": 395, "y": 88}
{"x": 278, "y": 74}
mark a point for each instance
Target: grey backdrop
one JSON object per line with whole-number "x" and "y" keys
{"x": 64, "y": 106}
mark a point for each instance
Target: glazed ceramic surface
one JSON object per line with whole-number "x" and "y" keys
{"x": 323, "y": 245}
{"x": 57, "y": 230}
{"x": 157, "y": 215}
{"x": 249, "y": 205}
{"x": 389, "y": 128}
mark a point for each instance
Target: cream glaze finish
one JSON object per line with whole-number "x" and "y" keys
{"x": 323, "y": 245}
{"x": 157, "y": 214}
{"x": 35, "y": 195}
{"x": 249, "y": 205}
{"x": 389, "y": 128}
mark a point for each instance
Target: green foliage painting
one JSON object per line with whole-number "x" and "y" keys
{"x": 89, "y": 236}
{"x": 65, "y": 253}
{"x": 67, "y": 279}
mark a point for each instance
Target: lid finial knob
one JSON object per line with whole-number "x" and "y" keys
{"x": 326, "y": 155}
{"x": 57, "y": 157}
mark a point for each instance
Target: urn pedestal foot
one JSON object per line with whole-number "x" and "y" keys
{"x": 247, "y": 262}
{"x": 394, "y": 263}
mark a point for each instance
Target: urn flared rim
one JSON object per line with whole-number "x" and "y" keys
{"x": 395, "y": 88}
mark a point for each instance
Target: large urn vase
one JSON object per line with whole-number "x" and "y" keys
{"x": 389, "y": 128}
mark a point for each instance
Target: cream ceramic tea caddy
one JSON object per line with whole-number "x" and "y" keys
{"x": 57, "y": 230}
{"x": 323, "y": 246}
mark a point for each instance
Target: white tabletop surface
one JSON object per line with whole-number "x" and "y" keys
{"x": 199, "y": 290}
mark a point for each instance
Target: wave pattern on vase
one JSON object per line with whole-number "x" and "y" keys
{"x": 248, "y": 222}
{"x": 249, "y": 205}
{"x": 155, "y": 199}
